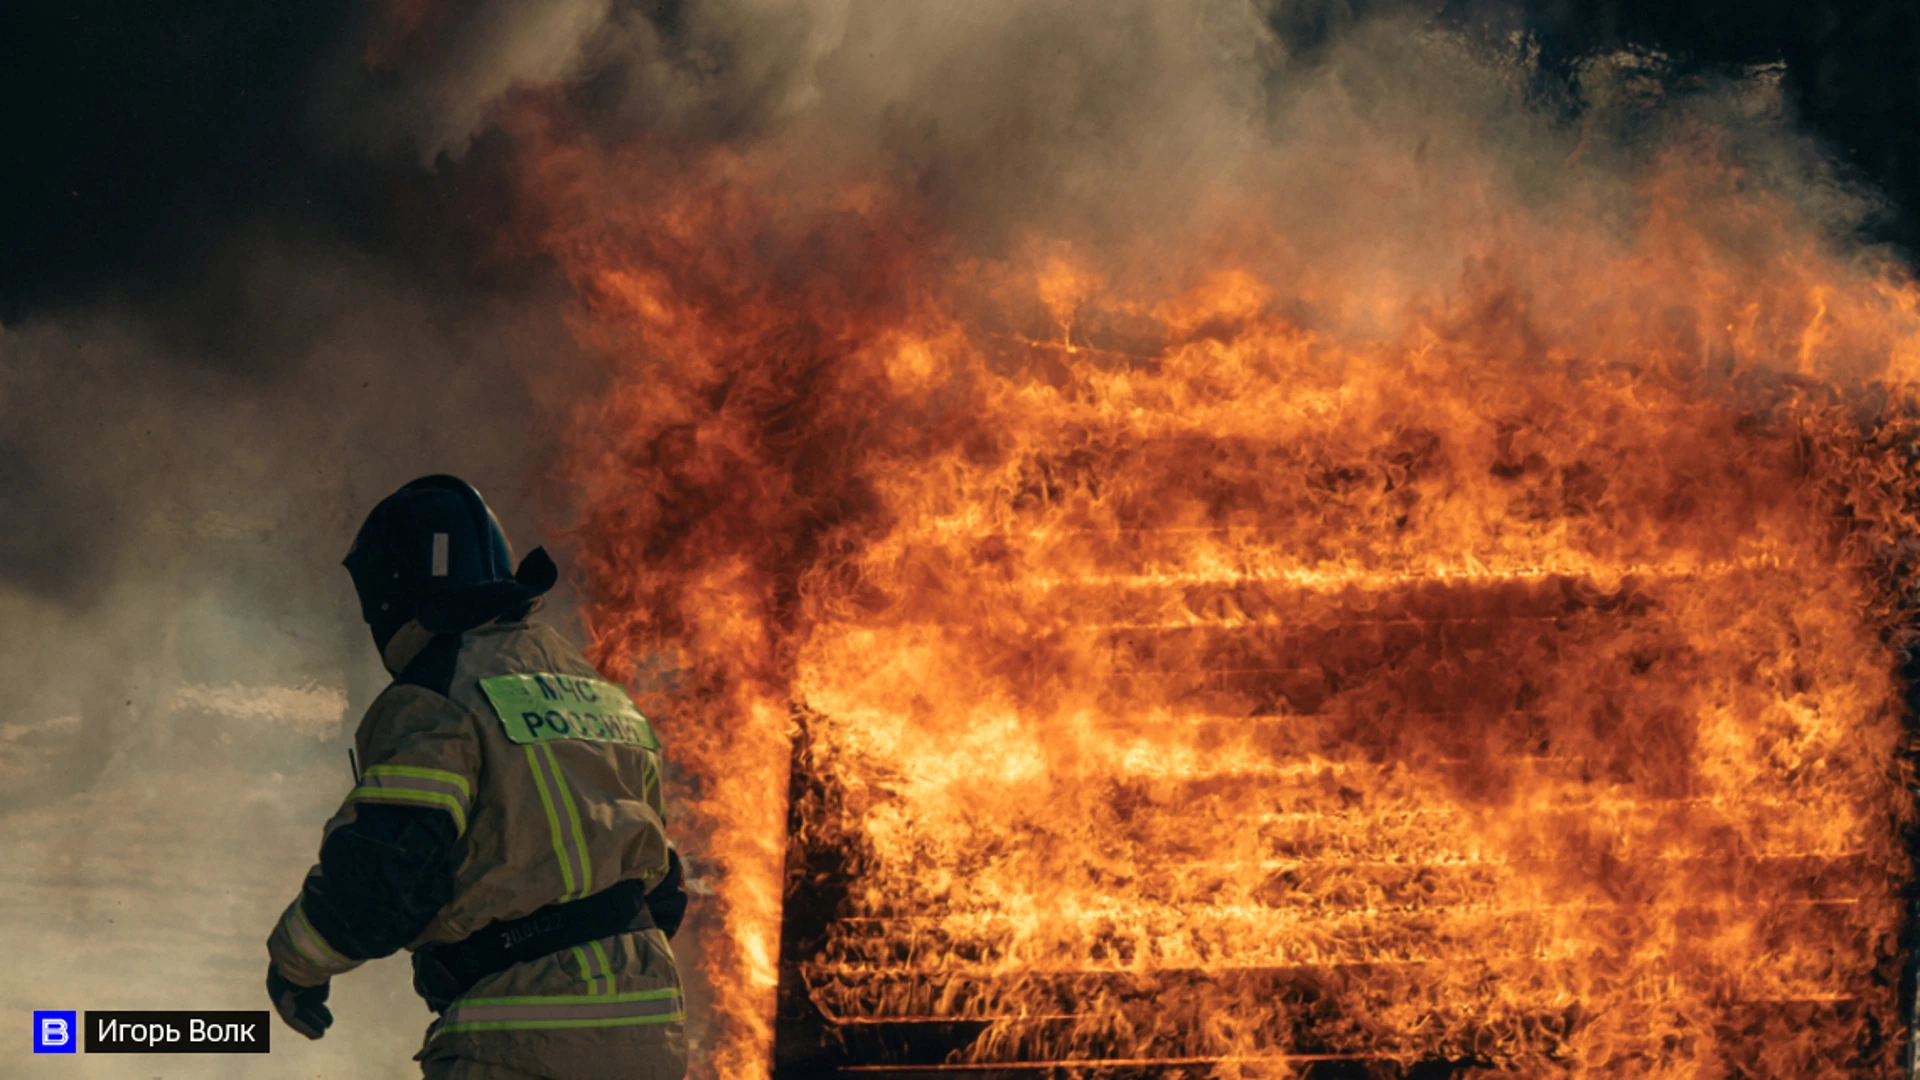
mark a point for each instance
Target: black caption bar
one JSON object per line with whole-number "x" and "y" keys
{"x": 126, "y": 1031}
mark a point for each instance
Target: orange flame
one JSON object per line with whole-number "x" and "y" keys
{"x": 1258, "y": 661}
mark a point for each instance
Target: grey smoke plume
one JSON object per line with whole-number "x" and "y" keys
{"x": 1007, "y": 110}
{"x": 1089, "y": 120}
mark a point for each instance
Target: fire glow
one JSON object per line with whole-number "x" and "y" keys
{"x": 1177, "y": 672}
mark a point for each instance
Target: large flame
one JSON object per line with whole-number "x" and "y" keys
{"x": 1256, "y": 661}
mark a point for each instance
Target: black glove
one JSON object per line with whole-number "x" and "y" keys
{"x": 667, "y": 903}
{"x": 302, "y": 1007}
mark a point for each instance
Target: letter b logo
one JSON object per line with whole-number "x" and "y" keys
{"x": 53, "y": 1032}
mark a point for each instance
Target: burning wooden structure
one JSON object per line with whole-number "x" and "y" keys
{"x": 1523, "y": 863}
{"x": 1249, "y": 667}
{"x": 1134, "y": 789}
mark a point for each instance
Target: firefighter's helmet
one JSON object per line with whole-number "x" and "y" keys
{"x": 433, "y": 551}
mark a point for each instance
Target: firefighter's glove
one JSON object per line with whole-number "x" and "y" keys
{"x": 302, "y": 1007}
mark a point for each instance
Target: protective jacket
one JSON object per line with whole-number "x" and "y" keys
{"x": 498, "y": 776}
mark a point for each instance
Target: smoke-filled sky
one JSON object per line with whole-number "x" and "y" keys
{"x": 297, "y": 209}
{"x": 261, "y": 263}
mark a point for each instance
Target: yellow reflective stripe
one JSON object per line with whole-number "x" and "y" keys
{"x": 310, "y": 944}
{"x": 546, "y": 1025}
{"x": 605, "y": 968}
{"x": 573, "y": 999}
{"x": 305, "y": 926}
{"x": 573, "y": 819}
{"x": 587, "y": 974}
{"x": 419, "y": 798}
{"x": 564, "y": 1011}
{"x": 651, "y": 771}
{"x": 418, "y": 785}
{"x": 553, "y": 819}
{"x": 419, "y": 772}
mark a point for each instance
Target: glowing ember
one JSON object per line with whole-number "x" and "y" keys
{"x": 1188, "y": 676}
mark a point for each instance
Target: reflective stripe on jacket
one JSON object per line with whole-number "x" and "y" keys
{"x": 564, "y": 1011}
{"x": 417, "y": 786}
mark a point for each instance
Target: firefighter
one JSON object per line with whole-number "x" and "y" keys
{"x": 505, "y": 825}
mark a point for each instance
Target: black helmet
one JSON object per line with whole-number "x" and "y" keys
{"x": 432, "y": 551}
